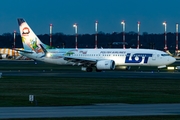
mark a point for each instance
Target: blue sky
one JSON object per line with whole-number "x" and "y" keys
{"x": 109, "y": 13}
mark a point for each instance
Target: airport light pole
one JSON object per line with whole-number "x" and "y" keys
{"x": 123, "y": 25}
{"x": 165, "y": 36}
{"x": 96, "y": 30}
{"x": 76, "y": 34}
{"x": 138, "y": 26}
{"x": 177, "y": 38}
{"x": 50, "y": 34}
{"x": 14, "y": 44}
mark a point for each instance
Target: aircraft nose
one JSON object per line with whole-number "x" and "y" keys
{"x": 172, "y": 59}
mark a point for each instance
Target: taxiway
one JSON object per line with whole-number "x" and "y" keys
{"x": 101, "y": 110}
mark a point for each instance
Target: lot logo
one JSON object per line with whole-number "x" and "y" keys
{"x": 137, "y": 57}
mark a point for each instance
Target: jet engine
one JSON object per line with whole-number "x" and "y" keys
{"x": 105, "y": 65}
{"x": 4, "y": 56}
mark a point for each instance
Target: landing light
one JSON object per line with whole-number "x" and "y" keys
{"x": 170, "y": 68}
{"x": 48, "y": 55}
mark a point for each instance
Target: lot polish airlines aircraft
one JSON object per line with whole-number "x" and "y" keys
{"x": 101, "y": 59}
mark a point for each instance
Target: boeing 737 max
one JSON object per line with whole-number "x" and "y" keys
{"x": 101, "y": 59}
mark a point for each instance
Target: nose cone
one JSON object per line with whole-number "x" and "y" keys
{"x": 172, "y": 60}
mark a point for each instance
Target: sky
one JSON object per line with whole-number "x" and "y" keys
{"x": 39, "y": 14}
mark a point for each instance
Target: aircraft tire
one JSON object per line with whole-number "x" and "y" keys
{"x": 128, "y": 68}
{"x": 98, "y": 70}
{"x": 89, "y": 69}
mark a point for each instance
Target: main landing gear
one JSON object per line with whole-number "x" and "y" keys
{"x": 89, "y": 69}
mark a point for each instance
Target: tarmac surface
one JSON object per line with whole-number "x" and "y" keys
{"x": 79, "y": 73}
{"x": 105, "y": 74}
{"x": 101, "y": 110}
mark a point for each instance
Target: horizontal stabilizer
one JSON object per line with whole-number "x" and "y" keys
{"x": 44, "y": 50}
{"x": 24, "y": 51}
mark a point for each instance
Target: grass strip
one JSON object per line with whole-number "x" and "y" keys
{"x": 55, "y": 91}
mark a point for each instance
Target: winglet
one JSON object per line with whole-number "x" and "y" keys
{"x": 44, "y": 50}
{"x": 20, "y": 21}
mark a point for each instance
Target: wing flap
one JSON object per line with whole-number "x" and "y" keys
{"x": 80, "y": 60}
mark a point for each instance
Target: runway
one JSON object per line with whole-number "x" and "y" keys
{"x": 101, "y": 110}
{"x": 105, "y": 74}
{"x": 61, "y": 72}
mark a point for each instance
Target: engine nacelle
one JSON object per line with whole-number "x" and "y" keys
{"x": 105, "y": 65}
{"x": 4, "y": 56}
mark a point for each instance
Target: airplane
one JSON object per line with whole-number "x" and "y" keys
{"x": 100, "y": 59}
{"x": 7, "y": 53}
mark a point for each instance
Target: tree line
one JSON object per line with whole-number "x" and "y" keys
{"x": 105, "y": 40}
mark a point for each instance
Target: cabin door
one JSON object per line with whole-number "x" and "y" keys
{"x": 154, "y": 56}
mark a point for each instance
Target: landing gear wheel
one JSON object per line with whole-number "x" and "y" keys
{"x": 89, "y": 69}
{"x": 128, "y": 67}
{"x": 98, "y": 70}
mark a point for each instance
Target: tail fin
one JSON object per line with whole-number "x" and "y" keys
{"x": 29, "y": 39}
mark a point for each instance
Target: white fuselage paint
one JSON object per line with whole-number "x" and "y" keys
{"x": 125, "y": 57}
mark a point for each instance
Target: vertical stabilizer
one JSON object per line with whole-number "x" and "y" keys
{"x": 29, "y": 39}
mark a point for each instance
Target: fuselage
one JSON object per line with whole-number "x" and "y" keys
{"x": 127, "y": 57}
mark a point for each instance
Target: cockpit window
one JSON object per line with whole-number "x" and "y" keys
{"x": 165, "y": 55}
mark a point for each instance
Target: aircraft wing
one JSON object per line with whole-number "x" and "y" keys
{"x": 80, "y": 60}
